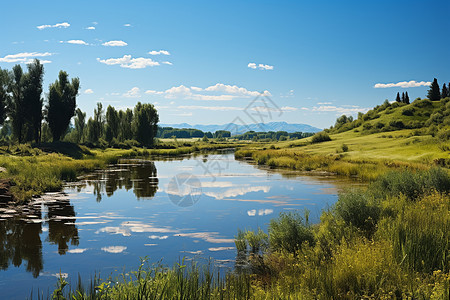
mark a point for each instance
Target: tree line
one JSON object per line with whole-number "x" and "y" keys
{"x": 25, "y": 118}
{"x": 22, "y": 106}
{"x": 114, "y": 127}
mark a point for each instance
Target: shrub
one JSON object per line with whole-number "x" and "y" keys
{"x": 397, "y": 124}
{"x": 344, "y": 148}
{"x": 422, "y": 103}
{"x": 355, "y": 209}
{"x": 289, "y": 231}
{"x": 408, "y": 111}
{"x": 320, "y": 137}
{"x": 411, "y": 185}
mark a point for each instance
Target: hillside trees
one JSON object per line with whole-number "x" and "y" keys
{"x": 434, "y": 93}
{"x": 61, "y": 104}
{"x": 445, "y": 91}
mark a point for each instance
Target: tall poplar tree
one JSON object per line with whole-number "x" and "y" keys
{"x": 17, "y": 112}
{"x": 61, "y": 104}
{"x": 32, "y": 100}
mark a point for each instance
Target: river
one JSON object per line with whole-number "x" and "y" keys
{"x": 164, "y": 210}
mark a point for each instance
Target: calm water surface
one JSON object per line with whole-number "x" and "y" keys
{"x": 112, "y": 217}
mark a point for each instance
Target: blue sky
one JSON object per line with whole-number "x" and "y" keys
{"x": 203, "y": 62}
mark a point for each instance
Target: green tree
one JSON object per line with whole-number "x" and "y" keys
{"x": 61, "y": 104}
{"x": 406, "y": 98}
{"x": 403, "y": 97}
{"x": 145, "y": 123}
{"x": 95, "y": 125}
{"x": 125, "y": 129}
{"x": 17, "y": 113}
{"x": 444, "y": 93}
{"x": 397, "y": 98}
{"x": 32, "y": 100}
{"x": 434, "y": 93}
{"x": 80, "y": 124}
{"x": 91, "y": 132}
{"x": 112, "y": 124}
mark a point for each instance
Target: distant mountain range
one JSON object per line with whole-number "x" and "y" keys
{"x": 238, "y": 129}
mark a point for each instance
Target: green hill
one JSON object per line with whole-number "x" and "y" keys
{"x": 391, "y": 135}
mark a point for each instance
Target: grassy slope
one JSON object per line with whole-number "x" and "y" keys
{"x": 370, "y": 153}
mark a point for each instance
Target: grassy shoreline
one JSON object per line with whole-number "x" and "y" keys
{"x": 33, "y": 172}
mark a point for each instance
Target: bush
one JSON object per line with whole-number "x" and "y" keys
{"x": 411, "y": 185}
{"x": 397, "y": 124}
{"x": 408, "y": 111}
{"x": 422, "y": 103}
{"x": 289, "y": 231}
{"x": 320, "y": 137}
{"x": 356, "y": 210}
{"x": 344, "y": 148}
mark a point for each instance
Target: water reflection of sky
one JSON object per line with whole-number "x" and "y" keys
{"x": 113, "y": 217}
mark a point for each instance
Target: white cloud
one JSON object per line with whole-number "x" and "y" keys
{"x": 76, "y": 42}
{"x": 234, "y": 89}
{"x": 133, "y": 93}
{"x": 114, "y": 249}
{"x": 176, "y": 91}
{"x": 340, "y": 110}
{"x": 403, "y": 84}
{"x": 90, "y": 28}
{"x": 131, "y": 63}
{"x": 77, "y": 250}
{"x": 260, "y": 66}
{"x": 115, "y": 44}
{"x": 213, "y": 97}
{"x": 218, "y": 92}
{"x": 324, "y": 103}
{"x": 25, "y": 57}
{"x": 288, "y": 108}
{"x": 127, "y": 25}
{"x": 152, "y": 92}
{"x": 89, "y": 91}
{"x": 164, "y": 52}
{"x": 58, "y": 25}
{"x": 186, "y": 114}
{"x": 221, "y": 108}
{"x": 167, "y": 63}
{"x": 261, "y": 212}
{"x": 158, "y": 237}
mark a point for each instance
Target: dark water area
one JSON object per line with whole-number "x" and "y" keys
{"x": 164, "y": 210}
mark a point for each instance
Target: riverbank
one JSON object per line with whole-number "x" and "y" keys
{"x": 31, "y": 171}
{"x": 353, "y": 154}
